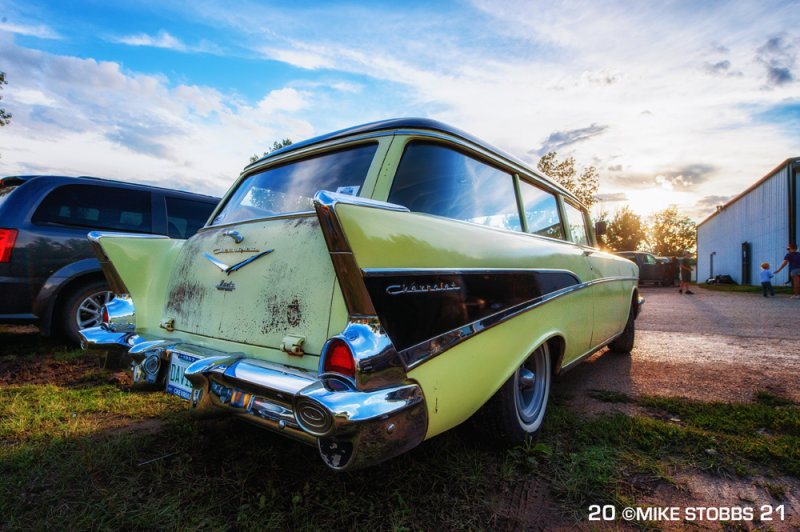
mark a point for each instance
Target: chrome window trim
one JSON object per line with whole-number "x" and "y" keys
{"x": 298, "y": 214}
{"x": 386, "y": 272}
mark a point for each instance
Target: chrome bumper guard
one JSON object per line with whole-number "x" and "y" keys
{"x": 351, "y": 428}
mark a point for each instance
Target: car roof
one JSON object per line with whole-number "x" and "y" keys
{"x": 13, "y": 180}
{"x": 401, "y": 125}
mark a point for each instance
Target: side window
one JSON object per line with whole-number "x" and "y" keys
{"x": 577, "y": 225}
{"x": 185, "y": 217}
{"x": 541, "y": 211}
{"x": 96, "y": 206}
{"x": 649, "y": 259}
{"x": 436, "y": 179}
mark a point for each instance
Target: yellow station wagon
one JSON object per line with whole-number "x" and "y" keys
{"x": 369, "y": 289}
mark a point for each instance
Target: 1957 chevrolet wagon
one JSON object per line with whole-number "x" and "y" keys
{"x": 369, "y": 289}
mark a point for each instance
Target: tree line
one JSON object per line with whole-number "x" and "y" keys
{"x": 666, "y": 232}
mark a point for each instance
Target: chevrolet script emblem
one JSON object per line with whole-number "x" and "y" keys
{"x": 230, "y": 269}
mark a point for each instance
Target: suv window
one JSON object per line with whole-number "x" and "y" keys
{"x": 436, "y": 179}
{"x": 185, "y": 217}
{"x": 291, "y": 187}
{"x": 577, "y": 224}
{"x": 648, "y": 259}
{"x": 102, "y": 207}
{"x": 541, "y": 211}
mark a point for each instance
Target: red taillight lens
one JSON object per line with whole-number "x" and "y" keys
{"x": 105, "y": 315}
{"x": 7, "y": 238}
{"x": 339, "y": 359}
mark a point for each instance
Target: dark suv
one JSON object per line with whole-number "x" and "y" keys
{"x": 651, "y": 268}
{"x": 48, "y": 272}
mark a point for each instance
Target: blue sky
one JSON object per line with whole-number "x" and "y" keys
{"x": 683, "y": 103}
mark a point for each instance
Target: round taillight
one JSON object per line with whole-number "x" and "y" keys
{"x": 339, "y": 359}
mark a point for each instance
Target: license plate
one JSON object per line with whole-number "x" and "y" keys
{"x": 177, "y": 383}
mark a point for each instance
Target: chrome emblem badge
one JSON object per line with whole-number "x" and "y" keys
{"x": 421, "y": 288}
{"x": 234, "y": 235}
{"x": 230, "y": 269}
{"x": 227, "y": 286}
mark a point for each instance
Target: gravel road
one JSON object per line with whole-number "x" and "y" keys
{"x": 711, "y": 346}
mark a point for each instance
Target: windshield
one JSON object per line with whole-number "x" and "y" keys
{"x": 291, "y": 187}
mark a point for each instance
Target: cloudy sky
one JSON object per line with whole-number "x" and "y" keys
{"x": 683, "y": 103}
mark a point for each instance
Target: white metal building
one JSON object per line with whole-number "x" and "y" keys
{"x": 752, "y": 228}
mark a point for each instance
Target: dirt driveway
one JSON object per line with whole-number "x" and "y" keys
{"x": 711, "y": 346}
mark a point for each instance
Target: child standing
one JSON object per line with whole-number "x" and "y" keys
{"x": 766, "y": 276}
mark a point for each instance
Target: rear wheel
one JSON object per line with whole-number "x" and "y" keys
{"x": 517, "y": 410}
{"x": 84, "y": 308}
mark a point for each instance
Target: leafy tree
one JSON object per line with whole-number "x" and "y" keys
{"x": 670, "y": 234}
{"x": 583, "y": 186}
{"x": 275, "y": 146}
{"x": 5, "y": 118}
{"x": 626, "y": 231}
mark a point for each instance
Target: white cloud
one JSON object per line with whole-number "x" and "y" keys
{"x": 287, "y": 100}
{"x": 162, "y": 40}
{"x": 79, "y": 116}
{"x": 39, "y": 30}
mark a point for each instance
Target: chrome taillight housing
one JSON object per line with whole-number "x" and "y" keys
{"x": 119, "y": 314}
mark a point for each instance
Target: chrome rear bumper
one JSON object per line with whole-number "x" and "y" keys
{"x": 352, "y": 428}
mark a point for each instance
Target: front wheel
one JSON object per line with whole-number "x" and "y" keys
{"x": 624, "y": 342}
{"x": 84, "y": 308}
{"x": 517, "y": 410}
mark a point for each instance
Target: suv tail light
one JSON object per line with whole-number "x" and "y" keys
{"x": 7, "y": 238}
{"x": 339, "y": 359}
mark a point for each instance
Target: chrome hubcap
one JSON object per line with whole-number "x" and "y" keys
{"x": 531, "y": 386}
{"x": 90, "y": 311}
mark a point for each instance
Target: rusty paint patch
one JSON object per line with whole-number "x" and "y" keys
{"x": 293, "y": 313}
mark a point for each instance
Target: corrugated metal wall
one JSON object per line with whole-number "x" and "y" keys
{"x": 760, "y": 217}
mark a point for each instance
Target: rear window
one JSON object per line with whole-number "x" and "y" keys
{"x": 291, "y": 187}
{"x": 185, "y": 217}
{"x": 97, "y": 207}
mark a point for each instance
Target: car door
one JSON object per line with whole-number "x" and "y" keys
{"x": 605, "y": 277}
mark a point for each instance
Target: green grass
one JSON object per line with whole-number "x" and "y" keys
{"x": 747, "y": 289}
{"x": 66, "y": 460}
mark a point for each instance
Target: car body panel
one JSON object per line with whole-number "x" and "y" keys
{"x": 285, "y": 292}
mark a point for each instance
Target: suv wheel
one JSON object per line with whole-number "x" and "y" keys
{"x": 84, "y": 308}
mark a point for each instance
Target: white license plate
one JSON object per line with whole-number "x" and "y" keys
{"x": 176, "y": 381}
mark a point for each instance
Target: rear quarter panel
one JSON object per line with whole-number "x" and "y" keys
{"x": 461, "y": 379}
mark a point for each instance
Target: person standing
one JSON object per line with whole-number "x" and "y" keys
{"x": 793, "y": 260}
{"x": 686, "y": 273}
{"x": 766, "y": 276}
